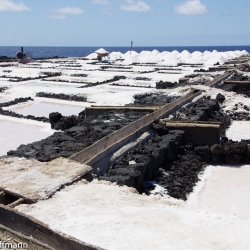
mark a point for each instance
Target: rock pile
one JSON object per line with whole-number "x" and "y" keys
{"x": 165, "y": 85}
{"x": 114, "y": 79}
{"x": 199, "y": 111}
{"x": 29, "y": 117}
{"x": 87, "y": 131}
{"x": 231, "y": 152}
{"x": 152, "y": 99}
{"x": 59, "y": 122}
{"x": 62, "y": 96}
{"x": 15, "y": 101}
{"x": 140, "y": 163}
{"x": 240, "y": 77}
{"x": 180, "y": 176}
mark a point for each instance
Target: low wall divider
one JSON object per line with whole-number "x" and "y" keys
{"x": 112, "y": 142}
{"x": 225, "y": 76}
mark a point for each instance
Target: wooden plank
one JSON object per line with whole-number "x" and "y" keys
{"x": 14, "y": 238}
{"x": 29, "y": 226}
{"x": 112, "y": 142}
{"x": 97, "y": 110}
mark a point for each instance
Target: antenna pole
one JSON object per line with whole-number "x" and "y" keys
{"x": 131, "y": 47}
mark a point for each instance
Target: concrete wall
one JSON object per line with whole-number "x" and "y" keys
{"x": 106, "y": 145}
{"x": 217, "y": 80}
{"x": 221, "y": 68}
{"x": 198, "y": 133}
{"x": 97, "y": 110}
{"x": 239, "y": 84}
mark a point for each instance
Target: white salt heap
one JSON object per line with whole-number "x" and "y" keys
{"x": 207, "y": 58}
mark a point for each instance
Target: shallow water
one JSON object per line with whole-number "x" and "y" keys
{"x": 227, "y": 191}
{"x": 13, "y": 134}
{"x": 44, "y": 109}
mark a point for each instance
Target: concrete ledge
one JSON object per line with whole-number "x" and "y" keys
{"x": 33, "y": 180}
{"x": 221, "y": 78}
{"x": 97, "y": 110}
{"x": 25, "y": 226}
{"x": 199, "y": 133}
{"x": 14, "y": 238}
{"x": 239, "y": 84}
{"x": 213, "y": 69}
{"x": 184, "y": 79}
{"x": 236, "y": 61}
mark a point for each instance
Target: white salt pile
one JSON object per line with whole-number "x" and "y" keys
{"x": 207, "y": 58}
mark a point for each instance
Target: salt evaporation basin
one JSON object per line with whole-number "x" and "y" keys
{"x": 13, "y": 134}
{"x": 45, "y": 108}
{"x": 226, "y": 190}
{"x": 239, "y": 130}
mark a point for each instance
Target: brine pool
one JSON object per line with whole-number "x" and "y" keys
{"x": 39, "y": 109}
{"x": 14, "y": 133}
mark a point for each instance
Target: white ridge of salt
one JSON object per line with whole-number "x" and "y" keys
{"x": 173, "y": 58}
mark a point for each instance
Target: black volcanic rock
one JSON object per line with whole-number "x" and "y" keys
{"x": 220, "y": 98}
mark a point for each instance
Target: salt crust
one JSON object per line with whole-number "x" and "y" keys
{"x": 37, "y": 180}
{"x": 116, "y": 217}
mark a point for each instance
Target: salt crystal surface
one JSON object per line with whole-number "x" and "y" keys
{"x": 13, "y": 134}
{"x": 224, "y": 190}
{"x": 116, "y": 217}
{"x": 239, "y": 130}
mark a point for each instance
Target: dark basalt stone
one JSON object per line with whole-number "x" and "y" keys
{"x": 220, "y": 98}
{"x": 152, "y": 99}
{"x": 140, "y": 163}
{"x": 83, "y": 133}
{"x": 54, "y": 117}
{"x": 204, "y": 152}
{"x": 160, "y": 128}
{"x": 165, "y": 85}
{"x": 217, "y": 149}
{"x": 62, "y": 97}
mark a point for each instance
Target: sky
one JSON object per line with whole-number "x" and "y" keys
{"x": 118, "y": 22}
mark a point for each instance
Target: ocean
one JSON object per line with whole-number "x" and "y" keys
{"x": 48, "y": 52}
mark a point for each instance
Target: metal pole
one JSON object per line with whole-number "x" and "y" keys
{"x": 131, "y": 47}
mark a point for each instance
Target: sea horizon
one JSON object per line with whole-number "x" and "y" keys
{"x": 82, "y": 51}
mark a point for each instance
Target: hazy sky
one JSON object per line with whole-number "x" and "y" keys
{"x": 118, "y": 22}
